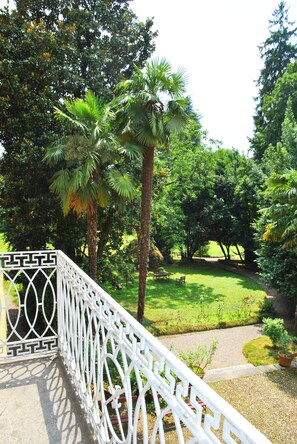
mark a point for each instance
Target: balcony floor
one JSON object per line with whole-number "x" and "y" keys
{"x": 38, "y": 404}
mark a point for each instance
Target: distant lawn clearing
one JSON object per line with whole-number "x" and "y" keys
{"x": 211, "y": 298}
{"x": 3, "y": 245}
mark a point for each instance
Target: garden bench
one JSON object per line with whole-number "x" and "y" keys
{"x": 162, "y": 275}
{"x": 181, "y": 280}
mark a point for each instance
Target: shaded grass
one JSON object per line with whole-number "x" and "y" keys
{"x": 260, "y": 351}
{"x": 268, "y": 401}
{"x": 211, "y": 298}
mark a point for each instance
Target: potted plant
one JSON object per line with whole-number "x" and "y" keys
{"x": 286, "y": 349}
{"x": 197, "y": 360}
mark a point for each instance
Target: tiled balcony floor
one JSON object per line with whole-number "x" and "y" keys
{"x": 38, "y": 405}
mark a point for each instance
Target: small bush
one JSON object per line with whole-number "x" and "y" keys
{"x": 274, "y": 329}
{"x": 266, "y": 309}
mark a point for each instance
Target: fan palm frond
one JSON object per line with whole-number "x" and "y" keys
{"x": 121, "y": 184}
{"x": 132, "y": 150}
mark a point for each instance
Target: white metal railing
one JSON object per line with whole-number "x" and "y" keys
{"x": 28, "y": 303}
{"x": 130, "y": 386}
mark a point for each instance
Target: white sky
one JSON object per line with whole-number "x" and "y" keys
{"x": 217, "y": 42}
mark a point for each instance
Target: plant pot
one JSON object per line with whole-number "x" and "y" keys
{"x": 285, "y": 360}
{"x": 199, "y": 371}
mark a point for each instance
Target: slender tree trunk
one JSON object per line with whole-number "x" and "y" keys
{"x": 92, "y": 239}
{"x": 239, "y": 254}
{"x": 223, "y": 250}
{"x": 145, "y": 219}
{"x": 228, "y": 252}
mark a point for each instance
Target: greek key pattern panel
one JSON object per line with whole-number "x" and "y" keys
{"x": 28, "y": 304}
{"x": 28, "y": 259}
{"x": 131, "y": 387}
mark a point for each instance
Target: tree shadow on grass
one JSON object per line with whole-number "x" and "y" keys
{"x": 286, "y": 380}
{"x": 171, "y": 296}
{"x": 205, "y": 269}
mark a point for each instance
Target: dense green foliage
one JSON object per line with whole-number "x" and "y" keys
{"x": 49, "y": 50}
{"x": 91, "y": 176}
{"x": 275, "y": 148}
{"x": 203, "y": 194}
{"x": 278, "y": 50}
{"x": 53, "y": 52}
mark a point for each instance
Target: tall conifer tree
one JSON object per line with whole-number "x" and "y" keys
{"x": 278, "y": 50}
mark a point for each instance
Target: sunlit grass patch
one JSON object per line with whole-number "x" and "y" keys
{"x": 211, "y": 298}
{"x": 3, "y": 245}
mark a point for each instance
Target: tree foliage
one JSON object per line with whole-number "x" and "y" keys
{"x": 278, "y": 50}
{"x": 90, "y": 176}
{"x": 282, "y": 212}
{"x": 51, "y": 50}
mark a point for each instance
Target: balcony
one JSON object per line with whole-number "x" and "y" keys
{"x": 78, "y": 364}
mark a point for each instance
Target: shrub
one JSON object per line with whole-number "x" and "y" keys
{"x": 197, "y": 360}
{"x": 274, "y": 329}
{"x": 266, "y": 309}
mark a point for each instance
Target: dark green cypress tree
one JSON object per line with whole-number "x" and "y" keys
{"x": 278, "y": 50}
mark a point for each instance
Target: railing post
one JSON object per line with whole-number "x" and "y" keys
{"x": 59, "y": 303}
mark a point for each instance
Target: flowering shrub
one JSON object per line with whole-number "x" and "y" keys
{"x": 249, "y": 299}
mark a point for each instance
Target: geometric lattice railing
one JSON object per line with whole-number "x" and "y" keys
{"x": 132, "y": 389}
{"x": 28, "y": 303}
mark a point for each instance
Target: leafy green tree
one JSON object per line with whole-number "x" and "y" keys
{"x": 282, "y": 195}
{"x": 248, "y": 199}
{"x": 107, "y": 39}
{"x": 90, "y": 175}
{"x": 289, "y": 135}
{"x": 278, "y": 266}
{"x": 49, "y": 50}
{"x": 148, "y": 119}
{"x": 278, "y": 50}
{"x": 180, "y": 174}
{"x": 275, "y": 106}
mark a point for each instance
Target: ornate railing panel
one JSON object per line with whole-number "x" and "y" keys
{"x": 131, "y": 387}
{"x": 28, "y": 303}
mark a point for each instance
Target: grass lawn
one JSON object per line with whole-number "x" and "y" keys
{"x": 214, "y": 250}
{"x": 260, "y": 351}
{"x": 211, "y": 298}
{"x": 268, "y": 401}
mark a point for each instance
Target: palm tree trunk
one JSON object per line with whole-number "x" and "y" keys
{"x": 145, "y": 219}
{"x": 92, "y": 239}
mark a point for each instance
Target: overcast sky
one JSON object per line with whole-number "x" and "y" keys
{"x": 217, "y": 42}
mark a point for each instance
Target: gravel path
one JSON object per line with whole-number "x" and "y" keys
{"x": 229, "y": 351}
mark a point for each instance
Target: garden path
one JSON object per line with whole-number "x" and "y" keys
{"x": 229, "y": 354}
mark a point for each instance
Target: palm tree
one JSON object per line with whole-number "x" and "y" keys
{"x": 151, "y": 106}
{"x": 282, "y": 192}
{"x": 89, "y": 177}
